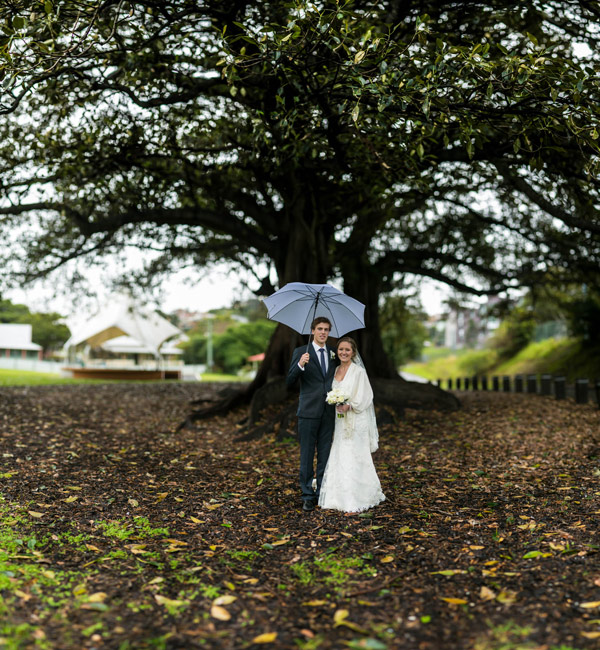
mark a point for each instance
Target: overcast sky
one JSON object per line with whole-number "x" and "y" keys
{"x": 217, "y": 289}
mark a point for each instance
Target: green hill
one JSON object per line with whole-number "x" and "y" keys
{"x": 565, "y": 356}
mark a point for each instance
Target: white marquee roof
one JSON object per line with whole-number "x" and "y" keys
{"x": 129, "y": 345}
{"x": 120, "y": 317}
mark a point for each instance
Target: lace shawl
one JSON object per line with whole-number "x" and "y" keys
{"x": 356, "y": 385}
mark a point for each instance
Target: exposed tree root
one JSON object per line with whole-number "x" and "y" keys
{"x": 400, "y": 394}
{"x": 227, "y": 400}
{"x": 272, "y": 406}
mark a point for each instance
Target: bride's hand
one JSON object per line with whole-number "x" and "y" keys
{"x": 342, "y": 408}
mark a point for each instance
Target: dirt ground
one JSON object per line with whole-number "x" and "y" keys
{"x": 118, "y": 532}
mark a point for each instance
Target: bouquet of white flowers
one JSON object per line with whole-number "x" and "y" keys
{"x": 336, "y": 396}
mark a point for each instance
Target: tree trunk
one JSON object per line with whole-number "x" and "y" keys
{"x": 304, "y": 258}
{"x": 362, "y": 282}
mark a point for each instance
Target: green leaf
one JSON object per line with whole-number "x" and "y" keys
{"x": 359, "y": 56}
{"x": 532, "y": 554}
{"x": 532, "y": 38}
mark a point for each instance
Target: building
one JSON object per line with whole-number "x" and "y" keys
{"x": 15, "y": 342}
{"x": 122, "y": 334}
{"x": 125, "y": 352}
{"x": 468, "y": 326}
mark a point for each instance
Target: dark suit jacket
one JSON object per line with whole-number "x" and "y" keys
{"x": 313, "y": 385}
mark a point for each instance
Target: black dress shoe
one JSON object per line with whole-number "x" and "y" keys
{"x": 307, "y": 506}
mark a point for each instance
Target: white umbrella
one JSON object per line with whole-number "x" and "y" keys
{"x": 297, "y": 304}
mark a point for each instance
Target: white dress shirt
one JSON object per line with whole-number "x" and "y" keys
{"x": 316, "y": 349}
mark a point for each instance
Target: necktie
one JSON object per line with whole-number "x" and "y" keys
{"x": 322, "y": 355}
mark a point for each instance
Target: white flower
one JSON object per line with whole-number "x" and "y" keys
{"x": 332, "y": 354}
{"x": 336, "y": 396}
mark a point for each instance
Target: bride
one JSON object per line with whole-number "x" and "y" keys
{"x": 350, "y": 482}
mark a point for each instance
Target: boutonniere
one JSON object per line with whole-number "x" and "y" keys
{"x": 332, "y": 354}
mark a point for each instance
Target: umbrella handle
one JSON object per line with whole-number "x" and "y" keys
{"x": 314, "y": 314}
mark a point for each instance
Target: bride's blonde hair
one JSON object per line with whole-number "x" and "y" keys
{"x": 351, "y": 341}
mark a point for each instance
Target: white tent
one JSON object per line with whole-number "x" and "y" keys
{"x": 129, "y": 345}
{"x": 122, "y": 318}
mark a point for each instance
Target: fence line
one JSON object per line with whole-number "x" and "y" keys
{"x": 580, "y": 390}
{"x": 56, "y": 367}
{"x": 35, "y": 365}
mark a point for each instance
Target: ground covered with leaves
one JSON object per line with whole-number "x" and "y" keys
{"x": 118, "y": 532}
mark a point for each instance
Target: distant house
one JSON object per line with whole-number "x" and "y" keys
{"x": 15, "y": 342}
{"x": 462, "y": 327}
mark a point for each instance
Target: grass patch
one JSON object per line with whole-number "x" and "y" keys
{"x": 554, "y": 356}
{"x": 215, "y": 376}
{"x": 454, "y": 364}
{"x": 331, "y": 570}
{"x": 139, "y": 528}
{"x": 31, "y": 378}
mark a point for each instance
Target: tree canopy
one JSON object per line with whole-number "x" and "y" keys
{"x": 367, "y": 141}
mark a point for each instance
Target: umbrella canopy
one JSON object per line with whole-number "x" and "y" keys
{"x": 297, "y": 304}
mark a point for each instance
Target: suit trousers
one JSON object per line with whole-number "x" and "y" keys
{"x": 316, "y": 434}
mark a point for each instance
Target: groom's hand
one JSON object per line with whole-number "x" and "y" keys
{"x": 304, "y": 359}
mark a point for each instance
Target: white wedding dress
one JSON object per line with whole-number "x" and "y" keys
{"x": 350, "y": 482}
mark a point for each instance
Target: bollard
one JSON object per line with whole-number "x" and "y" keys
{"x": 581, "y": 391}
{"x": 560, "y": 387}
{"x": 475, "y": 381}
{"x": 518, "y": 383}
{"x": 450, "y": 383}
{"x": 458, "y": 383}
{"x": 439, "y": 383}
{"x": 495, "y": 383}
{"x": 532, "y": 384}
{"x": 467, "y": 383}
{"x": 484, "y": 383}
{"x": 506, "y": 384}
{"x": 546, "y": 384}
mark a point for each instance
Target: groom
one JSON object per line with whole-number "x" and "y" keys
{"x": 316, "y": 418}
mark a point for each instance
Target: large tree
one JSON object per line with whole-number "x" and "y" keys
{"x": 455, "y": 140}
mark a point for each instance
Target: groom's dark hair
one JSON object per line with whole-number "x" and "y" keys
{"x": 318, "y": 320}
